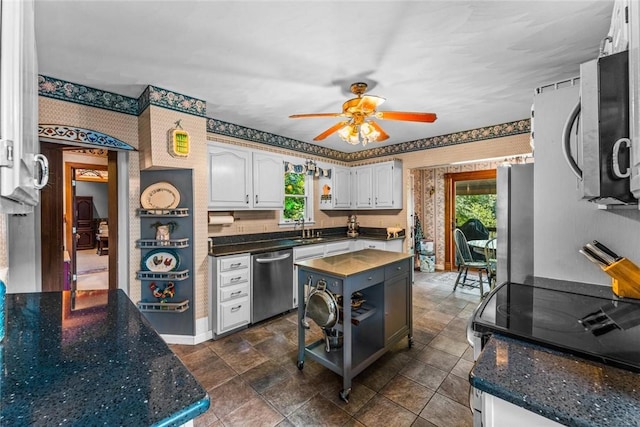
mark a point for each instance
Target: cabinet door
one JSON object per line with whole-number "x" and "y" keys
{"x": 383, "y": 185}
{"x": 397, "y": 311}
{"x": 19, "y": 158}
{"x": 341, "y": 187}
{"x": 363, "y": 187}
{"x": 268, "y": 181}
{"x": 229, "y": 178}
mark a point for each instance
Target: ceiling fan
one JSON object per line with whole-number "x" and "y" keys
{"x": 359, "y": 126}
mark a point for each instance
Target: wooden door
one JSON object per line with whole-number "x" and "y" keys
{"x": 83, "y": 209}
{"x": 51, "y": 222}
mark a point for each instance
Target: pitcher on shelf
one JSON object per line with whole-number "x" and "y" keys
{"x": 163, "y": 231}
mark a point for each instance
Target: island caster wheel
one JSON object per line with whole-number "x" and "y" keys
{"x": 300, "y": 364}
{"x": 410, "y": 342}
{"x": 344, "y": 395}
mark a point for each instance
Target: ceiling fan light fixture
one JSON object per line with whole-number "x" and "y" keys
{"x": 359, "y": 134}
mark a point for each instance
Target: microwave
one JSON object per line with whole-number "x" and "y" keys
{"x": 601, "y": 120}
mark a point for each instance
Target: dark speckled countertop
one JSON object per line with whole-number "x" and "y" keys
{"x": 567, "y": 389}
{"x": 92, "y": 359}
{"x": 267, "y": 242}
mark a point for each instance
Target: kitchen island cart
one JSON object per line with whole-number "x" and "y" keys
{"x": 380, "y": 315}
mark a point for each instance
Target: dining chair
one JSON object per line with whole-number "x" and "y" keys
{"x": 465, "y": 261}
{"x": 492, "y": 261}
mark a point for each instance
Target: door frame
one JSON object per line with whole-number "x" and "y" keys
{"x": 450, "y": 180}
{"x": 59, "y": 240}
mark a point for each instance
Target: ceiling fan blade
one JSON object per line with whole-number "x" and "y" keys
{"x": 369, "y": 103}
{"x": 303, "y": 116}
{"x": 331, "y": 130}
{"x": 383, "y": 134}
{"x": 406, "y": 116}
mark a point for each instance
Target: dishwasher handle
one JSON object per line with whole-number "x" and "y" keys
{"x": 274, "y": 259}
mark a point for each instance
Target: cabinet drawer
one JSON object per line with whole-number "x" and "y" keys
{"x": 338, "y": 248}
{"x": 397, "y": 269}
{"x": 234, "y": 292}
{"x": 234, "y": 263}
{"x": 234, "y": 313}
{"x": 368, "y": 278}
{"x": 228, "y": 278}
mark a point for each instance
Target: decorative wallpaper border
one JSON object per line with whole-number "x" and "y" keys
{"x": 86, "y": 136}
{"x": 50, "y": 87}
{"x": 472, "y": 135}
{"x": 229, "y": 129}
{"x": 79, "y": 94}
{"x": 152, "y": 95}
{"x": 171, "y": 100}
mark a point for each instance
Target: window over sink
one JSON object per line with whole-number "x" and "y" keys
{"x": 298, "y": 198}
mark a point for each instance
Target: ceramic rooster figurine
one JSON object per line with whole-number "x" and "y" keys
{"x": 163, "y": 294}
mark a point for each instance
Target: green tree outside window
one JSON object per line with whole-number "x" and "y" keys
{"x": 295, "y": 198}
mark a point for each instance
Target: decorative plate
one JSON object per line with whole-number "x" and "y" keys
{"x": 161, "y": 195}
{"x": 161, "y": 260}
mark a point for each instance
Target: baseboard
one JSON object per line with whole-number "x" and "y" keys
{"x": 202, "y": 334}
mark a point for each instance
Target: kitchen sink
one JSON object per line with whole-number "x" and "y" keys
{"x": 309, "y": 240}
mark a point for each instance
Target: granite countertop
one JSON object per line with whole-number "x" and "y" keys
{"x": 90, "y": 359}
{"x": 287, "y": 243}
{"x": 565, "y": 388}
{"x": 351, "y": 263}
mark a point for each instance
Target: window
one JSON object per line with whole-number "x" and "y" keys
{"x": 298, "y": 198}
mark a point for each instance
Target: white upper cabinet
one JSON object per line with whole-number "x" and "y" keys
{"x": 377, "y": 186}
{"x": 268, "y": 181}
{"x": 341, "y": 177}
{"x": 336, "y": 192}
{"x": 387, "y": 185}
{"x": 242, "y": 179}
{"x": 363, "y": 176}
{"x": 229, "y": 177}
{"x": 23, "y": 172}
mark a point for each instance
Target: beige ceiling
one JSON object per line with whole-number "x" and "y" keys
{"x": 474, "y": 63}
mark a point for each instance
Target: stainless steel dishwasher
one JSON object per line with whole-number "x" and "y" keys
{"x": 271, "y": 284}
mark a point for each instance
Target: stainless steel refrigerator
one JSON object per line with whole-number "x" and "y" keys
{"x": 514, "y": 220}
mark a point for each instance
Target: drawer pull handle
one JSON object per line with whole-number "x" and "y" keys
{"x": 236, "y": 293}
{"x": 236, "y": 265}
{"x": 236, "y": 308}
{"x": 398, "y": 268}
{"x": 235, "y": 279}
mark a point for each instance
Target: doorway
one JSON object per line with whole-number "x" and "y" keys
{"x": 86, "y": 198}
{"x": 476, "y": 185}
{"x": 57, "y": 239}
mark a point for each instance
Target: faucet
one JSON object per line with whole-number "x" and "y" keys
{"x": 301, "y": 222}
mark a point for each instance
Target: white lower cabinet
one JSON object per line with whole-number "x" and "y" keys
{"x": 497, "y": 412}
{"x": 338, "y": 248}
{"x": 231, "y": 292}
{"x": 234, "y": 313}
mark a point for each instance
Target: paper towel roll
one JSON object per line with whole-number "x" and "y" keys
{"x": 220, "y": 219}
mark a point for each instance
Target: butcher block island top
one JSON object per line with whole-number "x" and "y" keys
{"x": 351, "y": 263}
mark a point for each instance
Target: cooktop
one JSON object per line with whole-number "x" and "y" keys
{"x": 588, "y": 320}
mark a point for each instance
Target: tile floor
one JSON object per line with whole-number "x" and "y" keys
{"x": 253, "y": 380}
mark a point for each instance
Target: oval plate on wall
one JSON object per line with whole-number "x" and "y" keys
{"x": 161, "y": 260}
{"x": 161, "y": 195}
